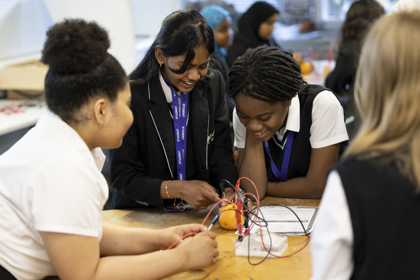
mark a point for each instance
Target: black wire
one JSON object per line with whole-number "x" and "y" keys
{"x": 230, "y": 185}
{"x": 300, "y": 221}
{"x": 268, "y": 251}
{"x": 260, "y": 221}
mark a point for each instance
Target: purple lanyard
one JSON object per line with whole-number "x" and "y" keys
{"x": 282, "y": 175}
{"x": 180, "y": 129}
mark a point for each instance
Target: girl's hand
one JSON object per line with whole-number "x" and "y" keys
{"x": 168, "y": 236}
{"x": 199, "y": 194}
{"x": 199, "y": 251}
{"x": 229, "y": 195}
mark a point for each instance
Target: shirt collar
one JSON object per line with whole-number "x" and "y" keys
{"x": 166, "y": 89}
{"x": 293, "y": 118}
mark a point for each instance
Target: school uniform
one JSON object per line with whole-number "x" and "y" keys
{"x": 317, "y": 120}
{"x": 147, "y": 156}
{"x": 367, "y": 210}
{"x": 49, "y": 181}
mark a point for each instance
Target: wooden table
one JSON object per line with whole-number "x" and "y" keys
{"x": 228, "y": 266}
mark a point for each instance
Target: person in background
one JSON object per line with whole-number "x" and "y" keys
{"x": 220, "y": 21}
{"x": 372, "y": 196}
{"x": 288, "y": 133}
{"x": 179, "y": 147}
{"x": 51, "y": 188}
{"x": 359, "y": 18}
{"x": 255, "y": 28}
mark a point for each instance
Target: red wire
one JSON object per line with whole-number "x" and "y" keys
{"x": 185, "y": 236}
{"x": 257, "y": 199}
{"x": 194, "y": 233}
{"x": 254, "y": 222}
{"x": 220, "y": 201}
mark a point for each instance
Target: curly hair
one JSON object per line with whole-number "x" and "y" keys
{"x": 79, "y": 67}
{"x": 265, "y": 73}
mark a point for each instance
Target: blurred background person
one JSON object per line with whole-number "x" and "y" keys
{"x": 220, "y": 21}
{"x": 255, "y": 28}
{"x": 360, "y": 17}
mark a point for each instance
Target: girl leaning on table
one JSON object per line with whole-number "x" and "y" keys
{"x": 51, "y": 187}
{"x": 367, "y": 224}
{"x": 288, "y": 133}
{"x": 173, "y": 156}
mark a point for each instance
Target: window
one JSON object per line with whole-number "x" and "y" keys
{"x": 23, "y": 24}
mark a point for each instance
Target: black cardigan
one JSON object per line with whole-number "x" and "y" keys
{"x": 147, "y": 155}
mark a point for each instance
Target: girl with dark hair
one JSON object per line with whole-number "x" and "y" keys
{"x": 288, "y": 133}
{"x": 51, "y": 188}
{"x": 255, "y": 28}
{"x": 360, "y": 17}
{"x": 179, "y": 147}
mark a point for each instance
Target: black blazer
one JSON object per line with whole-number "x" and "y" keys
{"x": 147, "y": 155}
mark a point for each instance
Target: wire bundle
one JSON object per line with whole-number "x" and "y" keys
{"x": 256, "y": 220}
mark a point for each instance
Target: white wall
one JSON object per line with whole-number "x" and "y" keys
{"x": 114, "y": 15}
{"x": 149, "y": 14}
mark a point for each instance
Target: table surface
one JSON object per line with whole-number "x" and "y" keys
{"x": 228, "y": 266}
{"x": 18, "y": 114}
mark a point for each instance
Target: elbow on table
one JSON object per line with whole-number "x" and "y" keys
{"x": 316, "y": 192}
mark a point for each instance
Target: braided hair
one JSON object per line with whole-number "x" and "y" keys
{"x": 265, "y": 73}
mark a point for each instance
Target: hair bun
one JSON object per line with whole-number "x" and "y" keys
{"x": 75, "y": 46}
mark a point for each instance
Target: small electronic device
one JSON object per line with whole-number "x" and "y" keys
{"x": 279, "y": 245}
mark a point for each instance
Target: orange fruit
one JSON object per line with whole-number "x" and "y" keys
{"x": 327, "y": 70}
{"x": 305, "y": 68}
{"x": 227, "y": 217}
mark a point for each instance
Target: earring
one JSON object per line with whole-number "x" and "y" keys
{"x": 160, "y": 65}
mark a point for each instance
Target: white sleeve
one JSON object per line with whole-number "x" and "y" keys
{"x": 240, "y": 131}
{"x": 68, "y": 196}
{"x": 332, "y": 237}
{"x": 328, "y": 125}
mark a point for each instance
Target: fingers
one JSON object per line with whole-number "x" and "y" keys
{"x": 192, "y": 228}
{"x": 211, "y": 234}
{"x": 211, "y": 194}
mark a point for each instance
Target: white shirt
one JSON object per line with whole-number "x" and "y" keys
{"x": 328, "y": 127}
{"x": 167, "y": 90}
{"x": 332, "y": 237}
{"x": 49, "y": 181}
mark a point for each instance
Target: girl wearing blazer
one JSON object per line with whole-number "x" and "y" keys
{"x": 178, "y": 149}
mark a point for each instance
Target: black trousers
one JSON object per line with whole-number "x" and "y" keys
{"x": 5, "y": 275}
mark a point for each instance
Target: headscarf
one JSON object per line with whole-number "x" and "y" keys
{"x": 214, "y": 16}
{"x": 250, "y": 22}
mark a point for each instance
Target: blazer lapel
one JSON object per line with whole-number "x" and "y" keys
{"x": 199, "y": 119}
{"x": 162, "y": 121}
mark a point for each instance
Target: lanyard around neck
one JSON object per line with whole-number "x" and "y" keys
{"x": 179, "y": 110}
{"x": 282, "y": 175}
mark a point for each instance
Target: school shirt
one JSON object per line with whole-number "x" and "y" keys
{"x": 332, "y": 237}
{"x": 327, "y": 128}
{"x": 361, "y": 221}
{"x": 49, "y": 181}
{"x": 147, "y": 155}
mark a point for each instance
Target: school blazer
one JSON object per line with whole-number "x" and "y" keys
{"x": 147, "y": 155}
